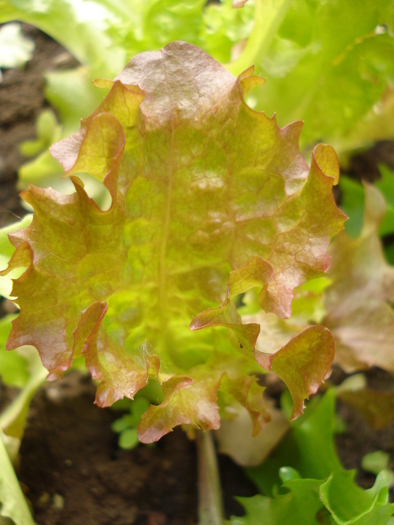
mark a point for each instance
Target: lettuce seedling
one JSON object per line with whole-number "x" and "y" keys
{"x": 305, "y": 482}
{"x": 210, "y": 199}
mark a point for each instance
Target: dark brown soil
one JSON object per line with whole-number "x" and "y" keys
{"x": 21, "y": 100}
{"x": 71, "y": 468}
{"x": 74, "y": 473}
{"x": 72, "y": 452}
{"x": 365, "y": 166}
{"x": 360, "y": 439}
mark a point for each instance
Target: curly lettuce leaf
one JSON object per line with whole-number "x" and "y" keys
{"x": 303, "y": 503}
{"x": 320, "y": 68}
{"x": 358, "y": 303}
{"x": 313, "y": 487}
{"x": 300, "y": 505}
{"x": 335, "y": 75}
{"x": 207, "y": 195}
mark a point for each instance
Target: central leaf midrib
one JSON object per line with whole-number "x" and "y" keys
{"x": 163, "y": 306}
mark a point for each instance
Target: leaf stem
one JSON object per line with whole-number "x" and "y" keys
{"x": 268, "y": 15}
{"x": 210, "y": 504}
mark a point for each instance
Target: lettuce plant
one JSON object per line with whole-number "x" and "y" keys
{"x": 209, "y": 199}
{"x": 305, "y": 482}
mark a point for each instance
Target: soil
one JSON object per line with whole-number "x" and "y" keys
{"x": 70, "y": 451}
{"x": 71, "y": 468}
{"x": 21, "y": 100}
{"x": 359, "y": 438}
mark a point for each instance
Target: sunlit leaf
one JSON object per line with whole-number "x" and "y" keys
{"x": 207, "y": 196}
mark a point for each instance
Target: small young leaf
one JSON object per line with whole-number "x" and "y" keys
{"x": 314, "y": 487}
{"x": 128, "y": 439}
{"x": 119, "y": 425}
{"x": 300, "y": 505}
{"x": 376, "y": 461}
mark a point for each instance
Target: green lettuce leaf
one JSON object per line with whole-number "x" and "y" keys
{"x": 13, "y": 505}
{"x": 6, "y": 252}
{"x": 329, "y": 64}
{"x": 386, "y": 186}
{"x": 23, "y": 369}
{"x": 352, "y": 202}
{"x": 207, "y": 196}
{"x": 300, "y": 505}
{"x": 85, "y": 24}
{"x": 14, "y": 369}
{"x": 313, "y": 487}
{"x": 377, "y": 124}
{"x": 226, "y": 30}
